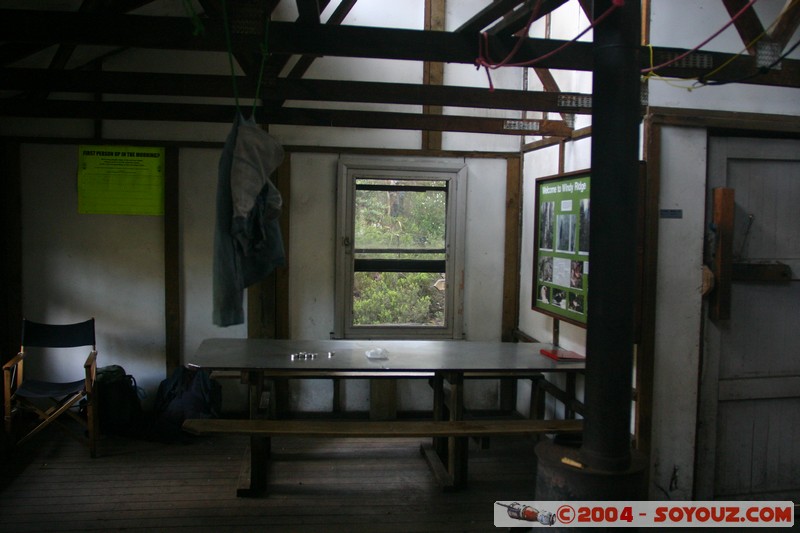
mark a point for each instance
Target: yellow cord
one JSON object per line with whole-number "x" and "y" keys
{"x": 697, "y": 83}
{"x": 652, "y": 75}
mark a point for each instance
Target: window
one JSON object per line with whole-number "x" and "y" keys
{"x": 400, "y": 249}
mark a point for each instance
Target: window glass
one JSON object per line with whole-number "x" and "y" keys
{"x": 399, "y": 252}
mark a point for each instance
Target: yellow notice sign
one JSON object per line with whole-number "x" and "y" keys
{"x": 121, "y": 180}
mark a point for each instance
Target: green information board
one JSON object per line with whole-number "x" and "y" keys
{"x": 120, "y": 180}
{"x": 561, "y": 247}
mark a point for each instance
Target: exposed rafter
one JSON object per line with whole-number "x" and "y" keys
{"x": 11, "y": 52}
{"x": 748, "y": 24}
{"x": 351, "y": 41}
{"x": 517, "y": 20}
{"x": 787, "y": 24}
{"x": 208, "y": 86}
{"x": 309, "y": 11}
{"x": 303, "y": 64}
{"x": 243, "y": 19}
{"x": 751, "y": 29}
{"x": 292, "y": 116}
{"x": 488, "y": 15}
{"x": 110, "y": 29}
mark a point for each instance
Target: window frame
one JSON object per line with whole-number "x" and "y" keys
{"x": 454, "y": 172}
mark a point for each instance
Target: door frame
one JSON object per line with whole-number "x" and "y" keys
{"x": 650, "y": 430}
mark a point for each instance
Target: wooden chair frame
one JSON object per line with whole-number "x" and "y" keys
{"x": 16, "y": 397}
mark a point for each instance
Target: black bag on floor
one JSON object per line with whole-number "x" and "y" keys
{"x": 187, "y": 393}
{"x": 119, "y": 406}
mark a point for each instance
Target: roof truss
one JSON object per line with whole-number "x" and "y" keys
{"x": 110, "y": 24}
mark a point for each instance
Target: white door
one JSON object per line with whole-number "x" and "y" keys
{"x": 749, "y": 417}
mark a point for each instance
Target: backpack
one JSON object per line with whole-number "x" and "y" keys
{"x": 119, "y": 407}
{"x": 187, "y": 393}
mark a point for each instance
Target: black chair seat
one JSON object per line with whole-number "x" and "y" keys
{"x": 34, "y": 388}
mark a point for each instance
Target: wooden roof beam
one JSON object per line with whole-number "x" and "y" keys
{"x": 787, "y": 24}
{"x": 356, "y": 41}
{"x": 308, "y": 11}
{"x": 517, "y": 20}
{"x": 748, "y": 24}
{"x": 586, "y": 6}
{"x": 219, "y": 86}
{"x": 149, "y": 111}
{"x": 11, "y": 52}
{"x": 488, "y": 15}
{"x": 304, "y": 63}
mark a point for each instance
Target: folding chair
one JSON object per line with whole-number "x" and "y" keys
{"x": 23, "y": 394}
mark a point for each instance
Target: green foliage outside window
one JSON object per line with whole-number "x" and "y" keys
{"x": 397, "y": 298}
{"x": 404, "y": 221}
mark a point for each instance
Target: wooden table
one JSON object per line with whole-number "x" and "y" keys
{"x": 440, "y": 361}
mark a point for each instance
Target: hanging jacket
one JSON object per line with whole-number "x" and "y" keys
{"x": 247, "y": 238}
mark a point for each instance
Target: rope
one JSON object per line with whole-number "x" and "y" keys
{"x": 484, "y": 61}
{"x": 264, "y": 54}
{"x": 696, "y": 48}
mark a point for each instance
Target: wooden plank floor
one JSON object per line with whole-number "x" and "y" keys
{"x": 316, "y": 485}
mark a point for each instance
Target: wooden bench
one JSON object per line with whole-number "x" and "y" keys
{"x": 450, "y": 476}
{"x": 378, "y": 429}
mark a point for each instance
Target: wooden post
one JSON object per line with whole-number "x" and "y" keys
{"x": 614, "y": 200}
{"x": 433, "y": 73}
{"x": 172, "y": 274}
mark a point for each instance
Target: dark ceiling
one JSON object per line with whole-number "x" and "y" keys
{"x": 51, "y": 63}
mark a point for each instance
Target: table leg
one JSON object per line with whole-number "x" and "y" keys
{"x": 259, "y": 404}
{"x": 448, "y": 455}
{"x": 437, "y": 454}
{"x": 570, "y": 390}
{"x": 439, "y": 412}
{"x": 457, "y": 446}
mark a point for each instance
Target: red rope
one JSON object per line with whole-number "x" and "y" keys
{"x": 696, "y": 48}
{"x": 483, "y": 43}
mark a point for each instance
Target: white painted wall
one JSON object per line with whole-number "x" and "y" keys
{"x": 80, "y": 266}
{"x": 406, "y": 15}
{"x": 678, "y": 313}
{"x": 198, "y": 186}
{"x": 312, "y": 270}
{"x": 540, "y": 164}
{"x": 112, "y": 266}
{"x": 311, "y": 245}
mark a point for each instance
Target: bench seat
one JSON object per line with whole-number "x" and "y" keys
{"x": 253, "y": 479}
{"x": 379, "y": 429}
